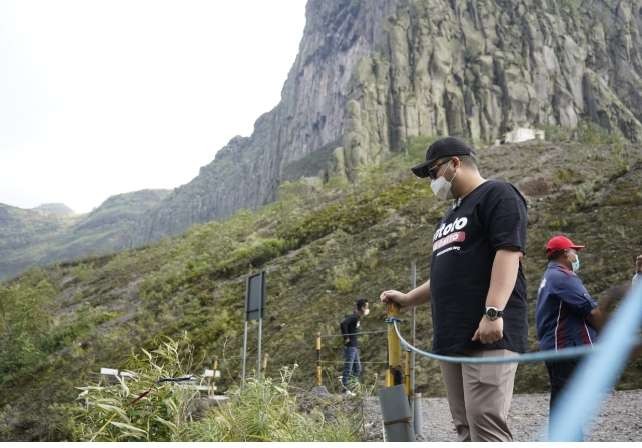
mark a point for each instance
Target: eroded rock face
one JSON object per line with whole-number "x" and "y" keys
{"x": 369, "y": 75}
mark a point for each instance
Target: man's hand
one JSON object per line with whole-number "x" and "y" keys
{"x": 638, "y": 264}
{"x": 489, "y": 331}
{"x": 394, "y": 296}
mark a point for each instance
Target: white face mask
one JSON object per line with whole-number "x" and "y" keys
{"x": 442, "y": 188}
{"x": 575, "y": 264}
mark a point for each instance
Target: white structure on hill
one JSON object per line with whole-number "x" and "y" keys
{"x": 523, "y": 135}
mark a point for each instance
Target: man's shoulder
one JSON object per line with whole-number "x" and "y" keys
{"x": 502, "y": 189}
{"x": 558, "y": 272}
{"x": 348, "y": 318}
{"x": 559, "y": 276}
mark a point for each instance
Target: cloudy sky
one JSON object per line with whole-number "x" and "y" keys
{"x": 105, "y": 97}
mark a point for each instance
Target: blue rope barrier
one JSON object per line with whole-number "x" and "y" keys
{"x": 596, "y": 375}
{"x": 580, "y": 400}
{"x": 548, "y": 355}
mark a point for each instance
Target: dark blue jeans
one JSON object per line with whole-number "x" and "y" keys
{"x": 559, "y": 373}
{"x": 351, "y": 366}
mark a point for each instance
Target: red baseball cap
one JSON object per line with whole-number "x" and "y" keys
{"x": 560, "y": 242}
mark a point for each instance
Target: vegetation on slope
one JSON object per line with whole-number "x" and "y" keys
{"x": 321, "y": 248}
{"x": 45, "y": 235}
{"x": 140, "y": 408}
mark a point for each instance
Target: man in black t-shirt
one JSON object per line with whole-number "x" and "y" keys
{"x": 476, "y": 288}
{"x": 350, "y": 330}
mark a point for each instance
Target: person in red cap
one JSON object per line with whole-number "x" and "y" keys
{"x": 565, "y": 315}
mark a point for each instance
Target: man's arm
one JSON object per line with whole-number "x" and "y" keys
{"x": 502, "y": 282}
{"x": 503, "y": 277}
{"x": 344, "y": 331}
{"x": 599, "y": 315}
{"x": 419, "y": 295}
{"x": 597, "y": 318}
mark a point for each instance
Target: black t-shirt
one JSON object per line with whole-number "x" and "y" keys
{"x": 350, "y": 325}
{"x": 491, "y": 217}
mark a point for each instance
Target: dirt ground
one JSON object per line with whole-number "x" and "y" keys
{"x": 619, "y": 420}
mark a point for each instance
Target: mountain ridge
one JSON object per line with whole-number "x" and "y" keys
{"x": 367, "y": 78}
{"x": 321, "y": 247}
{"x": 31, "y": 237}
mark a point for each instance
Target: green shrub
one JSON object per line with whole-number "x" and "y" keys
{"x": 266, "y": 411}
{"x": 143, "y": 409}
{"x": 591, "y": 133}
{"x": 557, "y": 134}
{"x": 25, "y": 318}
{"x": 140, "y": 408}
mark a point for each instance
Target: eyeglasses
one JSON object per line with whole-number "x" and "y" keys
{"x": 432, "y": 172}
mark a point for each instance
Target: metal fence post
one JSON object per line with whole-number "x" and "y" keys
{"x": 318, "y": 349}
{"x": 394, "y": 374}
{"x": 407, "y": 373}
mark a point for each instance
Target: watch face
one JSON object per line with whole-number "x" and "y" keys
{"x": 491, "y": 312}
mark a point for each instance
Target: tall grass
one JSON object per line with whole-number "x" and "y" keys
{"x": 266, "y": 410}
{"x": 142, "y": 409}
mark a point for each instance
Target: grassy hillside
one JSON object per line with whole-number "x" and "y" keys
{"x": 321, "y": 248}
{"x": 46, "y": 235}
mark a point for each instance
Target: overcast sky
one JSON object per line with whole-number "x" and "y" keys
{"x": 105, "y": 97}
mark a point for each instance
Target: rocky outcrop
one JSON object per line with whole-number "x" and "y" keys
{"x": 310, "y": 117}
{"x": 370, "y": 75}
{"x": 480, "y": 68}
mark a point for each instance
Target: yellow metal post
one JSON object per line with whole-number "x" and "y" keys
{"x": 394, "y": 375}
{"x": 318, "y": 348}
{"x": 406, "y": 373}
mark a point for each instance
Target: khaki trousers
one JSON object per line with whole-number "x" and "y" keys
{"x": 479, "y": 396}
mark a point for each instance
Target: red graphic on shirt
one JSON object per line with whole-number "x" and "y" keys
{"x": 449, "y": 239}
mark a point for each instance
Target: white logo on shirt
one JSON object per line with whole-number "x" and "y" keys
{"x": 444, "y": 229}
{"x": 452, "y": 238}
{"x": 541, "y": 285}
{"x": 445, "y": 236}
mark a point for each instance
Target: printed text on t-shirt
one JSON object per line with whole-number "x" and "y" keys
{"x": 444, "y": 236}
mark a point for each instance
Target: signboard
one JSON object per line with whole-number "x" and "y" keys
{"x": 255, "y": 297}
{"x": 254, "y": 306}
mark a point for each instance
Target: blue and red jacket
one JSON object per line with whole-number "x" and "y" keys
{"x": 563, "y": 304}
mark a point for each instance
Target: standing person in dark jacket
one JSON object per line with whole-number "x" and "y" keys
{"x": 477, "y": 287}
{"x": 566, "y": 315}
{"x": 350, "y": 330}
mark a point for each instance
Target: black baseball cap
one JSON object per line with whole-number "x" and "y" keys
{"x": 444, "y": 147}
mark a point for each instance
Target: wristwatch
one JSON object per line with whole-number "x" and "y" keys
{"x": 493, "y": 313}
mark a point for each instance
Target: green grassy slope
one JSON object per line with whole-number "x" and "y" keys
{"x": 321, "y": 248}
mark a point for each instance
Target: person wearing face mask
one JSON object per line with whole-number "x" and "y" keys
{"x": 566, "y": 315}
{"x": 477, "y": 288}
{"x": 350, "y": 326}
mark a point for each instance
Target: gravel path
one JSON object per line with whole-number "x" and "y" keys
{"x": 620, "y": 419}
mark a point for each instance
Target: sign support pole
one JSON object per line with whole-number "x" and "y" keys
{"x": 244, "y": 354}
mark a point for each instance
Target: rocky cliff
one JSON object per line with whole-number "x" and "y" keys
{"x": 369, "y": 75}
